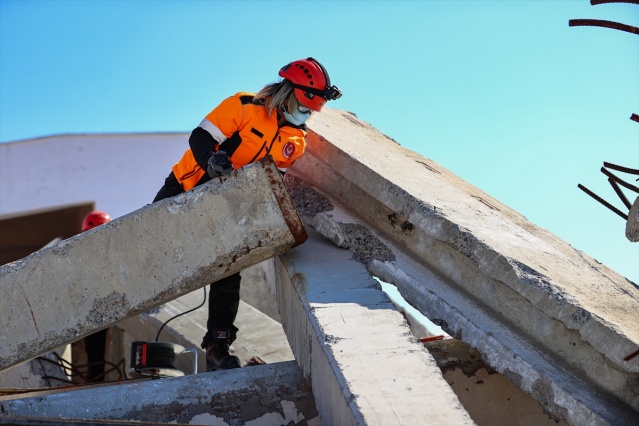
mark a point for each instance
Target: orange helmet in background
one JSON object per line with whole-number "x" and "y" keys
{"x": 311, "y": 82}
{"x": 95, "y": 218}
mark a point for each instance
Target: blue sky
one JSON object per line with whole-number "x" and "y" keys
{"x": 503, "y": 93}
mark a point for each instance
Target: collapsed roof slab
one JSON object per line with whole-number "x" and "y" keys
{"x": 534, "y": 284}
{"x": 562, "y": 391}
{"x": 271, "y": 394}
{"x": 144, "y": 259}
{"x": 365, "y": 366}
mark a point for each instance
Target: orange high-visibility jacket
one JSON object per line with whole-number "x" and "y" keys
{"x": 244, "y": 131}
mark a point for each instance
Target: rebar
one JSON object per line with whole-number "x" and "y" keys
{"x": 619, "y": 180}
{"x": 620, "y": 194}
{"x": 602, "y": 201}
{"x": 602, "y": 23}
{"x": 621, "y": 168}
{"x": 596, "y": 2}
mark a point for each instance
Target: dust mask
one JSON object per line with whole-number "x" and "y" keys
{"x": 298, "y": 117}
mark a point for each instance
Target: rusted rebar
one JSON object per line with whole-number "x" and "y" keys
{"x": 596, "y": 2}
{"x": 602, "y": 201}
{"x": 603, "y": 23}
{"x": 621, "y": 168}
{"x": 619, "y": 180}
{"x": 632, "y": 355}
{"x": 620, "y": 194}
{"x": 613, "y": 180}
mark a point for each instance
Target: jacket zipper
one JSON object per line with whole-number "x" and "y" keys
{"x": 268, "y": 150}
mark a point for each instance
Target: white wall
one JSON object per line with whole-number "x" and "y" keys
{"x": 119, "y": 172}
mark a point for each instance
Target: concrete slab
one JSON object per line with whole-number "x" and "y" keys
{"x": 61, "y": 421}
{"x": 144, "y": 259}
{"x": 572, "y": 397}
{"x": 349, "y": 339}
{"x": 567, "y": 303}
{"x": 273, "y": 394}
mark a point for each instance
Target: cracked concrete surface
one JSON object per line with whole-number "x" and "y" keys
{"x": 255, "y": 395}
{"x": 51, "y": 297}
{"x": 526, "y": 281}
{"x": 557, "y": 323}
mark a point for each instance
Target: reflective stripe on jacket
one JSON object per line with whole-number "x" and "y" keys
{"x": 247, "y": 134}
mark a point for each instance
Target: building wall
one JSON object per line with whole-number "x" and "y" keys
{"x": 119, "y": 172}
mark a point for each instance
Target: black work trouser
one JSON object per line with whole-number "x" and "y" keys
{"x": 224, "y": 294}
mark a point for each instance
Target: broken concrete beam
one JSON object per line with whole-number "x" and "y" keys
{"x": 264, "y": 394}
{"x": 562, "y": 390}
{"x": 569, "y": 304}
{"x": 144, "y": 259}
{"x": 349, "y": 339}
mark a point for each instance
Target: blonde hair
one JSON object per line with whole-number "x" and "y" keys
{"x": 277, "y": 96}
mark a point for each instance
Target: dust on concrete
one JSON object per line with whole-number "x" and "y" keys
{"x": 542, "y": 391}
{"x": 307, "y": 200}
{"x": 365, "y": 246}
{"x": 118, "y": 307}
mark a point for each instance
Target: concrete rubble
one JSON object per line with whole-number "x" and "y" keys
{"x": 365, "y": 366}
{"x": 265, "y": 394}
{"x": 536, "y": 314}
{"x": 50, "y": 298}
{"x": 556, "y": 322}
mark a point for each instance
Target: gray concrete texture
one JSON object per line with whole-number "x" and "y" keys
{"x": 274, "y": 394}
{"x": 88, "y": 282}
{"x": 566, "y": 305}
{"x": 632, "y": 224}
{"x": 42, "y": 372}
{"x": 365, "y": 366}
{"x": 561, "y": 390}
{"x": 555, "y": 322}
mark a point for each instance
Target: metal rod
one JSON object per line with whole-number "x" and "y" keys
{"x": 619, "y": 181}
{"x": 602, "y": 201}
{"x": 602, "y": 23}
{"x": 632, "y": 355}
{"x": 621, "y": 168}
{"x": 194, "y": 352}
{"x": 620, "y": 194}
{"x": 596, "y": 2}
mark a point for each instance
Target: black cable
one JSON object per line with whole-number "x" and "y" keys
{"x": 183, "y": 313}
{"x": 160, "y": 357}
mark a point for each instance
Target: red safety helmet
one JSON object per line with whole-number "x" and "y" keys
{"x": 95, "y": 218}
{"x": 311, "y": 82}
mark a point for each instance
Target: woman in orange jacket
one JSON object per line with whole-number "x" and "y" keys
{"x": 241, "y": 130}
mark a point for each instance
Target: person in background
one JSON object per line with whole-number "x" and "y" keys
{"x": 95, "y": 344}
{"x": 242, "y": 129}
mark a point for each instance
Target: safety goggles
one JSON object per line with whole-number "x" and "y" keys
{"x": 330, "y": 93}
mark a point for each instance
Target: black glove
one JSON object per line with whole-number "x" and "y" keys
{"x": 219, "y": 165}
